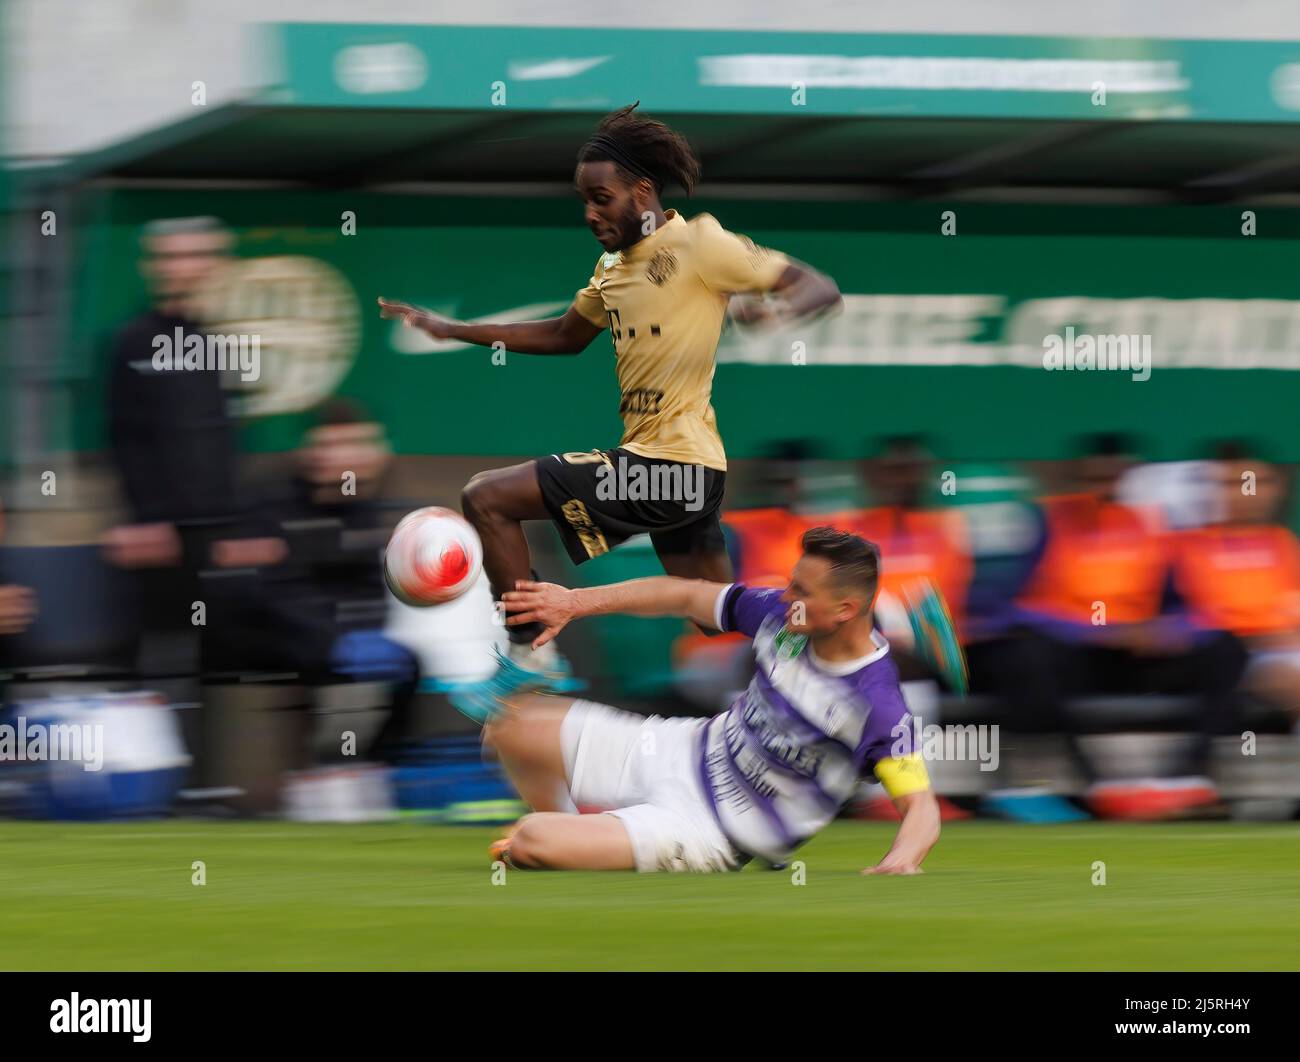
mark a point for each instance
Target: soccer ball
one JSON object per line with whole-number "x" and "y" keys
{"x": 433, "y": 557}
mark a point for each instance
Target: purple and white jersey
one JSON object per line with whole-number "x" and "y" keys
{"x": 779, "y": 764}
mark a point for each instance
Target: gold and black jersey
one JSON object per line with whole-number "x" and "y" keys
{"x": 664, "y": 301}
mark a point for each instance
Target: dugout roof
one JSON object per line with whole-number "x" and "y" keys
{"x": 355, "y": 106}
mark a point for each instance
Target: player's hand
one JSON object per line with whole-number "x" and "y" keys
{"x": 17, "y": 609}
{"x": 249, "y": 552}
{"x": 1146, "y": 639}
{"x": 753, "y": 311}
{"x": 1153, "y": 639}
{"x": 143, "y": 546}
{"x": 414, "y": 317}
{"x": 546, "y": 603}
{"x": 893, "y": 864}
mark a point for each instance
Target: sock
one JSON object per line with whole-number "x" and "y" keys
{"x": 525, "y": 633}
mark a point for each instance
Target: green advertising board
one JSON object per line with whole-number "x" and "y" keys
{"x": 945, "y": 334}
{"x": 752, "y": 72}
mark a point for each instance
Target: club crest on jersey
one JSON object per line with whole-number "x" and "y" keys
{"x": 787, "y": 644}
{"x": 661, "y": 267}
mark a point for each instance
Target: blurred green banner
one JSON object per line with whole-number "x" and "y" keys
{"x": 724, "y": 72}
{"x": 943, "y": 334}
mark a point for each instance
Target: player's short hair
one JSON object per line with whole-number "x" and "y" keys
{"x": 855, "y": 562}
{"x": 796, "y": 450}
{"x": 1108, "y": 444}
{"x": 1241, "y": 450}
{"x": 643, "y": 148}
{"x": 915, "y": 446}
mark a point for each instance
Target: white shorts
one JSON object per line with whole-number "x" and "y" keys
{"x": 648, "y": 771}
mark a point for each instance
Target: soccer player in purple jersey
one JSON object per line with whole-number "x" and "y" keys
{"x": 824, "y": 708}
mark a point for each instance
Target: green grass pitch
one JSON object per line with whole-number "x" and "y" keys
{"x": 281, "y": 896}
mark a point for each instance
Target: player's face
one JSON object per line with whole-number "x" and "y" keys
{"x": 815, "y": 604}
{"x": 613, "y": 207}
{"x": 333, "y": 450}
{"x": 176, "y": 265}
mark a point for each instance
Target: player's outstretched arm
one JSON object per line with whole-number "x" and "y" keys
{"x": 660, "y": 595}
{"x": 806, "y": 291}
{"x": 917, "y": 834}
{"x": 801, "y": 292}
{"x": 570, "y": 334}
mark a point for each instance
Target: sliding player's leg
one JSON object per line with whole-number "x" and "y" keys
{"x": 540, "y": 756}
{"x": 647, "y": 770}
{"x": 554, "y": 841}
{"x": 527, "y": 739}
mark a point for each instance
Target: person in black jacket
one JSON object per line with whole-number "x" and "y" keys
{"x": 171, "y": 436}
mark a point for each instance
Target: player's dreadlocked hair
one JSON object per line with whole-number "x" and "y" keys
{"x": 643, "y": 148}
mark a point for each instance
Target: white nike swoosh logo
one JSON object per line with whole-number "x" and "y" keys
{"x": 551, "y": 69}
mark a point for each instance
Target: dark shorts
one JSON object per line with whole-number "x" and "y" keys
{"x": 601, "y": 498}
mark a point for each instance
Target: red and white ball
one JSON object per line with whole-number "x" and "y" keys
{"x": 433, "y": 557}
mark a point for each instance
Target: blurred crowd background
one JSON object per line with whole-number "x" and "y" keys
{"x": 180, "y": 562}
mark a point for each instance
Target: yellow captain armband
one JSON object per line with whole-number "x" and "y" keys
{"x": 903, "y": 775}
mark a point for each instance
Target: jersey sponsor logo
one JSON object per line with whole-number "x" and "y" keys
{"x": 790, "y": 750}
{"x": 788, "y": 645}
{"x": 616, "y": 329}
{"x": 748, "y": 813}
{"x": 641, "y": 400}
{"x": 745, "y": 762}
{"x": 661, "y": 267}
{"x": 727, "y": 788}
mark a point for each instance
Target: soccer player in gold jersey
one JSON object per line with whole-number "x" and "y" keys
{"x": 663, "y": 286}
